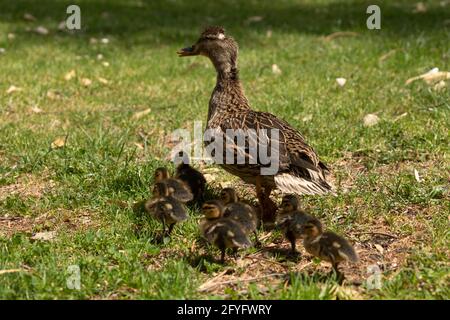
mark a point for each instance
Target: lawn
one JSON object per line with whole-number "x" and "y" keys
{"x": 85, "y": 118}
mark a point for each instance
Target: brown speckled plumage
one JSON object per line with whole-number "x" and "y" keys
{"x": 300, "y": 170}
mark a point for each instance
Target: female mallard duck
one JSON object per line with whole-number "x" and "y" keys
{"x": 222, "y": 232}
{"x": 240, "y": 212}
{"x": 193, "y": 178}
{"x": 299, "y": 169}
{"x": 177, "y": 188}
{"x": 327, "y": 246}
{"x": 165, "y": 207}
{"x": 291, "y": 219}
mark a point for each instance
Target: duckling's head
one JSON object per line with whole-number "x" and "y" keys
{"x": 312, "y": 228}
{"x": 217, "y": 46}
{"x": 228, "y": 195}
{"x": 289, "y": 203}
{"x": 161, "y": 174}
{"x": 160, "y": 190}
{"x": 212, "y": 209}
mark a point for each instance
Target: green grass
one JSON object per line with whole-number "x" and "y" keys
{"x": 86, "y": 190}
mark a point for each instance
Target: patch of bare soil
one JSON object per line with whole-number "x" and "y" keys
{"x": 27, "y": 186}
{"x": 58, "y": 221}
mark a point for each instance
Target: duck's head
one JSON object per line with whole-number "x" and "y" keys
{"x": 212, "y": 209}
{"x": 161, "y": 174}
{"x": 217, "y": 46}
{"x": 289, "y": 203}
{"x": 160, "y": 190}
{"x": 228, "y": 195}
{"x": 311, "y": 228}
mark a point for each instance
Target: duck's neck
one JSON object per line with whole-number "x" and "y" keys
{"x": 228, "y": 94}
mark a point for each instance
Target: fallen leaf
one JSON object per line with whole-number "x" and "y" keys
{"x": 341, "y": 81}
{"x": 36, "y": 109}
{"x": 54, "y": 95}
{"x": 70, "y": 75}
{"x": 41, "y": 30}
{"x": 29, "y": 17}
{"x": 430, "y": 77}
{"x": 86, "y": 82}
{"x": 141, "y": 114}
{"x": 44, "y": 236}
{"x": 370, "y": 120}
{"x": 275, "y": 69}
{"x": 379, "y": 248}
{"x": 102, "y": 80}
{"x": 12, "y": 89}
{"x": 254, "y": 19}
{"x": 58, "y": 143}
{"x": 62, "y": 26}
{"x": 417, "y": 176}
{"x": 420, "y": 8}
{"x": 139, "y": 145}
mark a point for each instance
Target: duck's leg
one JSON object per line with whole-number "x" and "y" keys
{"x": 257, "y": 242}
{"x": 222, "y": 256}
{"x": 170, "y": 228}
{"x": 292, "y": 240}
{"x": 340, "y": 276}
{"x": 270, "y": 208}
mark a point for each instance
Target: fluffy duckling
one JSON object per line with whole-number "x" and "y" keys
{"x": 177, "y": 188}
{"x": 222, "y": 232}
{"x": 327, "y": 245}
{"x": 240, "y": 212}
{"x": 193, "y": 178}
{"x": 290, "y": 219}
{"x": 165, "y": 207}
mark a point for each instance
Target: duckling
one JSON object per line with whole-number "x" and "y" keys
{"x": 222, "y": 232}
{"x": 193, "y": 178}
{"x": 165, "y": 207}
{"x": 327, "y": 245}
{"x": 240, "y": 212}
{"x": 291, "y": 218}
{"x": 177, "y": 188}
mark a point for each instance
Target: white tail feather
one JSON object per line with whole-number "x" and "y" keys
{"x": 291, "y": 184}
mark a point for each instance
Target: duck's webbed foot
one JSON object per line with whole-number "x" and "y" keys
{"x": 268, "y": 207}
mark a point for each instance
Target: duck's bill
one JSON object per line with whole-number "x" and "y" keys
{"x": 189, "y": 51}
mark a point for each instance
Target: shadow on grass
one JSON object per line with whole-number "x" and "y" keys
{"x": 155, "y": 23}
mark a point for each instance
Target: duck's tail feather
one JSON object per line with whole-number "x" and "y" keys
{"x": 316, "y": 185}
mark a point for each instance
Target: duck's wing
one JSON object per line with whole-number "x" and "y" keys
{"x": 179, "y": 190}
{"x": 300, "y": 170}
{"x": 338, "y": 246}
